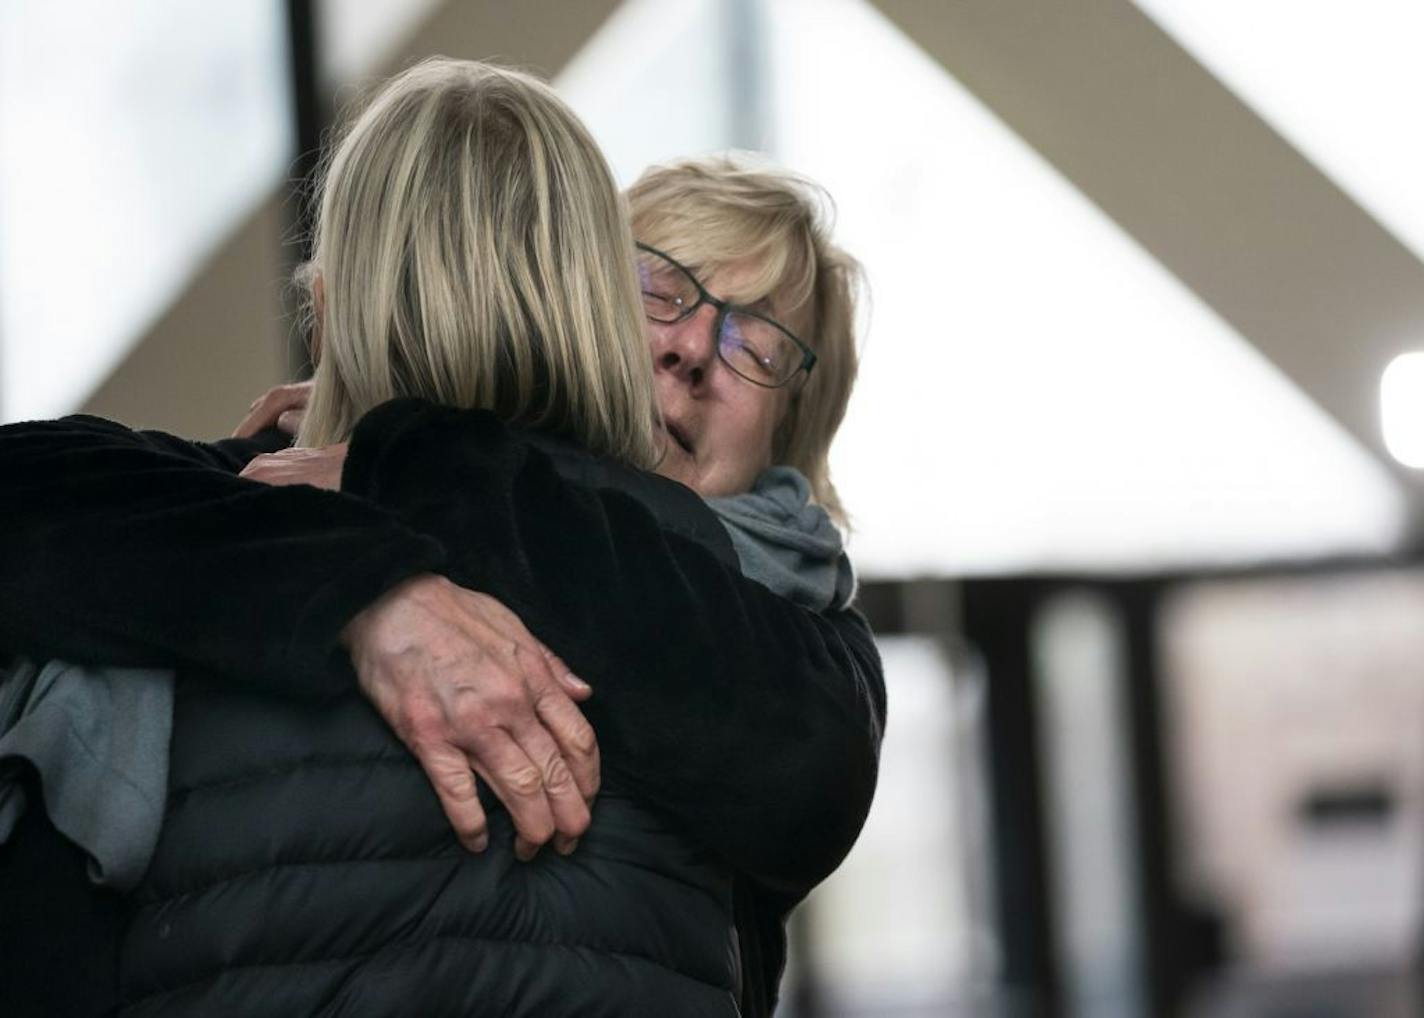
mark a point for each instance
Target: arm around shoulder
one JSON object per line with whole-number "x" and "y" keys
{"x": 754, "y": 722}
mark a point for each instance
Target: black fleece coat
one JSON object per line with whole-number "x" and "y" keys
{"x": 749, "y": 724}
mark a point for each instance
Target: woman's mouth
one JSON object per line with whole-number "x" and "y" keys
{"x": 679, "y": 436}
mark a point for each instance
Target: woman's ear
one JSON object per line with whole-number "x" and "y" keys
{"x": 318, "y": 316}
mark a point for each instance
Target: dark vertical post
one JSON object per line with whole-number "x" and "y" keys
{"x": 1163, "y": 926}
{"x": 997, "y": 615}
{"x": 310, "y": 115}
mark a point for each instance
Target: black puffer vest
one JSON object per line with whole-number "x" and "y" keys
{"x": 305, "y": 868}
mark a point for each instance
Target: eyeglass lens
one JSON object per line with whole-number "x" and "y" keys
{"x": 753, "y": 347}
{"x": 757, "y": 350}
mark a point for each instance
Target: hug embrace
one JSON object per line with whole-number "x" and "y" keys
{"x": 527, "y": 681}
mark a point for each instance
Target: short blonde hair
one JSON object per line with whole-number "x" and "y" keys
{"x": 474, "y": 251}
{"x": 712, "y": 211}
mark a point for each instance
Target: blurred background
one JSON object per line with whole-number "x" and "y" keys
{"x": 1134, "y": 461}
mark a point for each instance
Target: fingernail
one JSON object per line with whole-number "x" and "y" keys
{"x": 524, "y": 851}
{"x": 577, "y": 682}
{"x": 480, "y": 843}
{"x": 568, "y": 847}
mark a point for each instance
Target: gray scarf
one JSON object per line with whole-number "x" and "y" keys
{"x": 788, "y": 543}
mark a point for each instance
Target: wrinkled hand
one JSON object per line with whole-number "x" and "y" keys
{"x": 320, "y": 468}
{"x": 467, "y": 688}
{"x": 281, "y": 407}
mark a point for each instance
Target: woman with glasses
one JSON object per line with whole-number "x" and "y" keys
{"x": 736, "y": 263}
{"x": 731, "y": 405}
{"x": 725, "y": 714}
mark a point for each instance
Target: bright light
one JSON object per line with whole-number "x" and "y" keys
{"x": 1402, "y": 408}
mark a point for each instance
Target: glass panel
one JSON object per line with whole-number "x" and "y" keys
{"x": 903, "y": 928}
{"x": 126, "y": 161}
{"x": 1079, "y": 669}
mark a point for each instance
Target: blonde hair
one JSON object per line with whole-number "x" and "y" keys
{"x": 710, "y": 212}
{"x": 473, "y": 250}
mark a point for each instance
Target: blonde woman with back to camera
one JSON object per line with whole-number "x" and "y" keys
{"x": 475, "y": 291}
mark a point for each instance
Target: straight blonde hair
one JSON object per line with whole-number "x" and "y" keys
{"x": 473, "y": 251}
{"x": 713, "y": 211}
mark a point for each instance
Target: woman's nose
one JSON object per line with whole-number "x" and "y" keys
{"x": 685, "y": 349}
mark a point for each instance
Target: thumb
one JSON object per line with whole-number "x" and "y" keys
{"x": 290, "y": 421}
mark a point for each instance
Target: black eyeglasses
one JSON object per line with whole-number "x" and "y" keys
{"x": 755, "y": 347}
